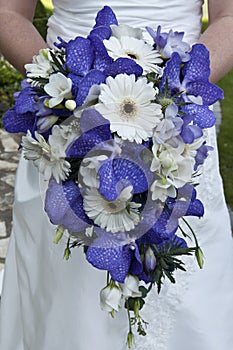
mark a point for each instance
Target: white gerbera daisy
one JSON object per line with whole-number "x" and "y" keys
{"x": 127, "y": 104}
{"x": 114, "y": 216}
{"x": 136, "y": 49}
{"x": 50, "y": 160}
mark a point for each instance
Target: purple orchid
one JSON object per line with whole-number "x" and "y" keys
{"x": 186, "y": 203}
{"x": 15, "y": 123}
{"x": 202, "y": 154}
{"x": 167, "y": 43}
{"x": 64, "y": 206}
{"x": 194, "y": 82}
{"x": 114, "y": 255}
{"x": 126, "y": 168}
{"x": 95, "y": 130}
{"x": 190, "y": 132}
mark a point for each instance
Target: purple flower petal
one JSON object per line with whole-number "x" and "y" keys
{"x": 172, "y": 73}
{"x": 202, "y": 115}
{"x": 64, "y": 206}
{"x": 15, "y": 123}
{"x": 105, "y": 17}
{"x": 115, "y": 260}
{"x": 76, "y": 79}
{"x": 202, "y": 154}
{"x": 118, "y": 173}
{"x": 102, "y": 58}
{"x": 79, "y": 55}
{"x": 93, "y": 77}
{"x": 198, "y": 67}
{"x": 124, "y": 65}
{"x": 101, "y": 32}
{"x": 25, "y": 101}
{"x": 209, "y": 92}
{"x": 87, "y": 141}
{"x": 91, "y": 119}
{"x": 191, "y": 132}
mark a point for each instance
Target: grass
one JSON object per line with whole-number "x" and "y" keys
{"x": 225, "y": 139}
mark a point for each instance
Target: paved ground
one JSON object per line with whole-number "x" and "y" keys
{"x": 9, "y": 156}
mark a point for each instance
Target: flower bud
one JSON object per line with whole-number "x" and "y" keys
{"x": 70, "y": 105}
{"x": 200, "y": 257}
{"x": 110, "y": 297}
{"x": 130, "y": 338}
{"x": 67, "y": 253}
{"x": 150, "y": 260}
{"x": 130, "y": 288}
{"x": 59, "y": 233}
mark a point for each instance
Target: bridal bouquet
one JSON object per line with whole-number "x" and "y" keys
{"x": 116, "y": 123}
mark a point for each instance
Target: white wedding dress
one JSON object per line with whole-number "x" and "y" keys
{"x": 48, "y": 303}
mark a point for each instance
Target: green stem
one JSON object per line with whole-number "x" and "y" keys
{"x": 193, "y": 233}
{"x": 128, "y": 313}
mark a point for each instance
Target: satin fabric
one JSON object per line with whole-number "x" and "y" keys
{"x": 49, "y": 303}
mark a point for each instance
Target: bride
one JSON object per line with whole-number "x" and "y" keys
{"x": 48, "y": 303}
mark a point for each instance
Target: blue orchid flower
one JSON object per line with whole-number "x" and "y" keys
{"x": 202, "y": 154}
{"x": 105, "y": 17}
{"x": 190, "y": 132}
{"x": 186, "y": 203}
{"x": 64, "y": 206}
{"x": 114, "y": 255}
{"x": 194, "y": 82}
{"x": 14, "y": 122}
{"x": 167, "y": 43}
{"x": 95, "y": 130}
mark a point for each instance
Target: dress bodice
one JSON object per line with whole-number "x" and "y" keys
{"x": 76, "y": 17}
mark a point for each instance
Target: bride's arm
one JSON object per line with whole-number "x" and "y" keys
{"x": 19, "y": 39}
{"x": 219, "y": 37}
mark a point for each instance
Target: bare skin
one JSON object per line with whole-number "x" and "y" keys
{"x": 19, "y": 40}
{"x": 219, "y": 37}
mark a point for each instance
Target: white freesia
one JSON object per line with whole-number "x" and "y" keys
{"x": 130, "y": 287}
{"x": 162, "y": 188}
{"x": 128, "y": 104}
{"x": 173, "y": 168}
{"x": 110, "y": 297}
{"x": 41, "y": 66}
{"x": 141, "y": 52}
{"x": 59, "y": 88}
{"x": 114, "y": 216}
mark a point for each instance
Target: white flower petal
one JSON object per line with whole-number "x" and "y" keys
{"x": 128, "y": 104}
